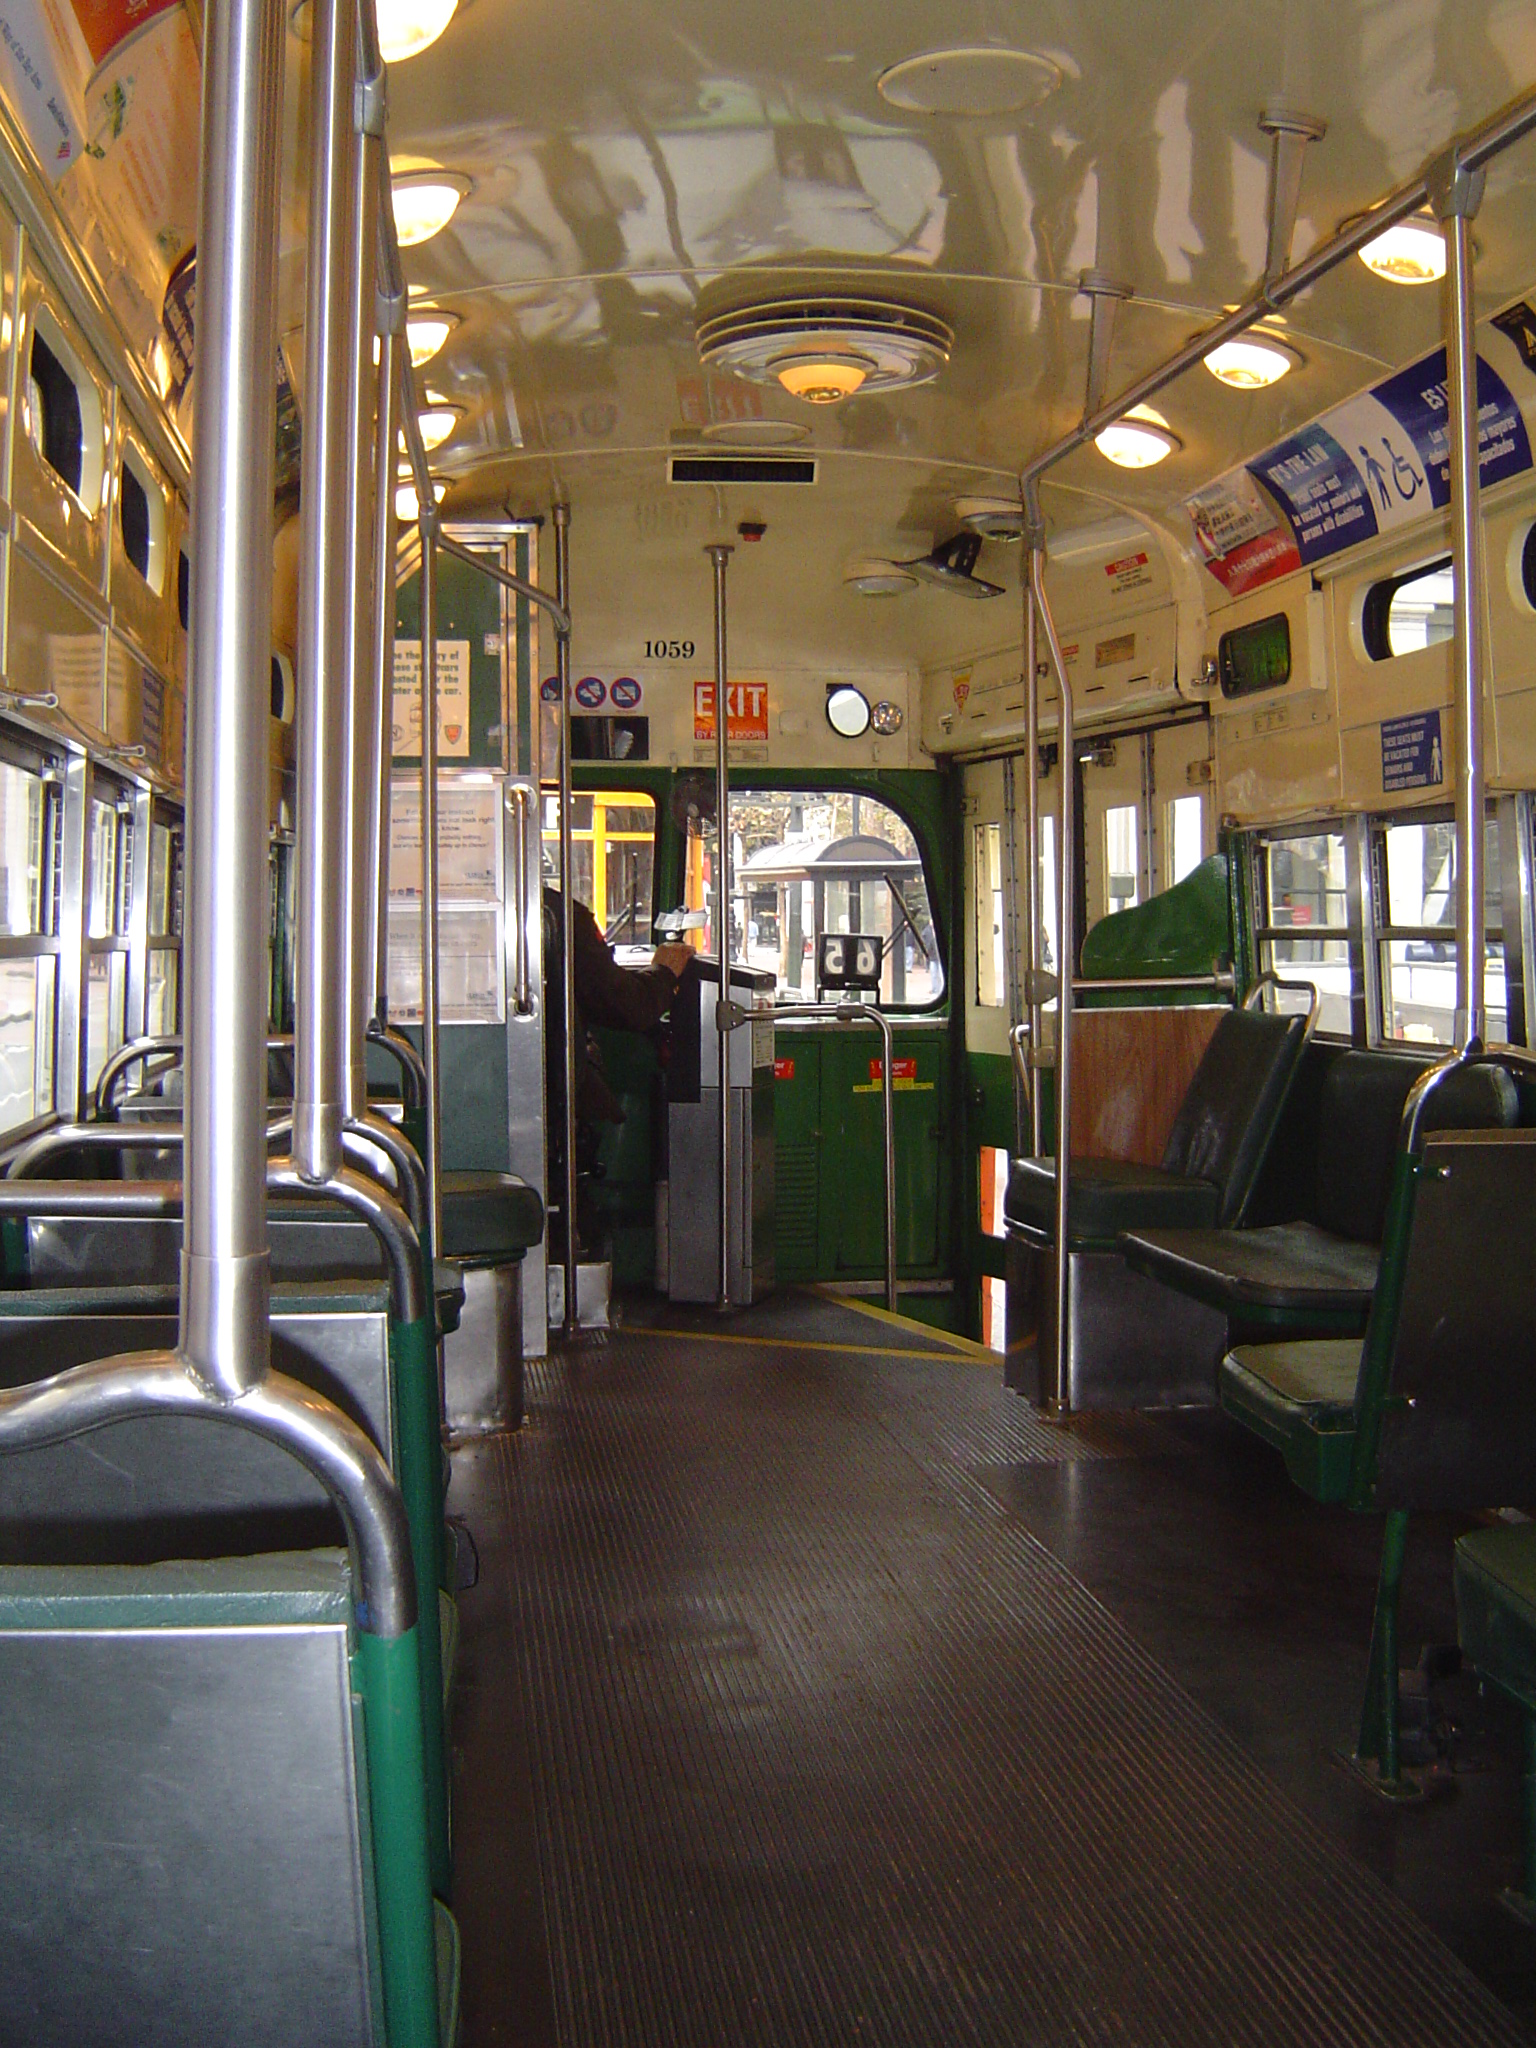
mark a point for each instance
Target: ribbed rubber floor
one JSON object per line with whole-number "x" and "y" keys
{"x": 826, "y": 1749}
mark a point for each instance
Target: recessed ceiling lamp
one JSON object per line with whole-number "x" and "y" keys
{"x": 969, "y": 82}
{"x": 436, "y": 424}
{"x": 1138, "y": 441}
{"x": 826, "y": 349}
{"x": 407, "y": 27}
{"x": 756, "y": 433}
{"x": 425, "y": 202}
{"x": 1411, "y": 252}
{"x": 425, "y": 334}
{"x": 1249, "y": 363}
{"x": 996, "y": 519}
{"x": 877, "y": 577}
{"x": 408, "y": 505}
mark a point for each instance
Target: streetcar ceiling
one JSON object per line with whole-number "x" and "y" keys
{"x": 630, "y": 163}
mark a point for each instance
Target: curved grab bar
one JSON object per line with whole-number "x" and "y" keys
{"x": 1473, "y": 1054}
{"x": 137, "y": 1049}
{"x": 358, "y": 1133}
{"x": 330, "y": 1446}
{"x": 1020, "y": 1044}
{"x": 413, "y": 1068}
{"x": 1269, "y": 979}
{"x": 385, "y": 1218}
{"x": 867, "y": 1013}
{"x": 520, "y": 799}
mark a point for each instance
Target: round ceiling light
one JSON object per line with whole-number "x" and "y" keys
{"x": 877, "y": 577}
{"x": 408, "y": 504}
{"x": 1138, "y": 441}
{"x": 407, "y": 27}
{"x": 425, "y": 202}
{"x": 974, "y": 83}
{"x": 996, "y": 519}
{"x": 822, "y": 343}
{"x": 1411, "y": 252}
{"x": 821, "y": 376}
{"x": 436, "y": 424}
{"x": 1249, "y": 364}
{"x": 757, "y": 433}
{"x": 425, "y": 334}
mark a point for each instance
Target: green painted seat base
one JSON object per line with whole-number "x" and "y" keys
{"x": 1496, "y": 1606}
{"x": 445, "y": 1931}
{"x": 1299, "y": 1397}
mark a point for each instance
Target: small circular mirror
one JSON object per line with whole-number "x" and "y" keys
{"x": 847, "y": 711}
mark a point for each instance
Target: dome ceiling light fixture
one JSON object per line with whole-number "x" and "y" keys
{"x": 425, "y": 201}
{"x": 1412, "y": 251}
{"x": 437, "y": 421}
{"x": 425, "y": 333}
{"x": 995, "y": 519}
{"x": 1140, "y": 440}
{"x": 973, "y": 84}
{"x": 407, "y": 27}
{"x": 1250, "y": 363}
{"x": 825, "y": 349}
{"x": 876, "y": 577}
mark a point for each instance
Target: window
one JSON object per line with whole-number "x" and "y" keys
{"x": 1120, "y": 856}
{"x": 1185, "y": 836}
{"x": 613, "y": 851}
{"x": 184, "y": 590}
{"x": 1404, "y": 613}
{"x": 1416, "y": 875}
{"x": 1304, "y": 929}
{"x": 827, "y": 860}
{"x": 108, "y": 902}
{"x": 991, "y": 969}
{"x": 63, "y": 413}
{"x": 163, "y": 972}
{"x": 28, "y": 973}
{"x": 141, "y": 518}
{"x": 1048, "y": 898}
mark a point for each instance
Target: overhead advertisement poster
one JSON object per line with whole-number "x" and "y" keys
{"x": 1372, "y": 464}
{"x": 1382, "y": 460}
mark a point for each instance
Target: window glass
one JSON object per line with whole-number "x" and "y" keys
{"x": 1418, "y": 963}
{"x": 103, "y": 852}
{"x": 812, "y": 861}
{"x": 55, "y": 426}
{"x": 163, "y": 1018}
{"x": 991, "y": 975}
{"x": 1186, "y": 836}
{"x": 1120, "y": 837}
{"x": 105, "y": 991}
{"x": 1305, "y": 936}
{"x": 23, "y": 833}
{"x": 26, "y": 1015}
{"x": 613, "y": 853}
{"x": 1048, "y": 893}
{"x": 164, "y": 910}
{"x": 1422, "y": 611}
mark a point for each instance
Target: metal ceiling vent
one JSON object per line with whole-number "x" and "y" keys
{"x": 823, "y": 350}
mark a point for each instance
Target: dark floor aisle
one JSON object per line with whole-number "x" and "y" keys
{"x": 813, "y": 1691}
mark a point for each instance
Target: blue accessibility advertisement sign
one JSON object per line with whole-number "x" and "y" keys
{"x": 1412, "y": 753}
{"x": 1382, "y": 459}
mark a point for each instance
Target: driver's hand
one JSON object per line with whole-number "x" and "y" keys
{"x": 673, "y": 958}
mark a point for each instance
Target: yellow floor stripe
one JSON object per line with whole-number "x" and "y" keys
{"x": 966, "y": 1346}
{"x": 780, "y": 1343}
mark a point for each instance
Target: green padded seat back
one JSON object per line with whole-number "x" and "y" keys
{"x": 1360, "y": 1122}
{"x": 489, "y": 1218}
{"x": 1496, "y": 1606}
{"x": 293, "y": 1589}
{"x": 1231, "y": 1107}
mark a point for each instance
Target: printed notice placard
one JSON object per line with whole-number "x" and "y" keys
{"x": 1412, "y": 753}
{"x": 452, "y": 699}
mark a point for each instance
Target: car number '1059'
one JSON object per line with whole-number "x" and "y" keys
{"x": 668, "y": 650}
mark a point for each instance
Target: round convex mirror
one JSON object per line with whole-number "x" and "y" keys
{"x": 847, "y": 711}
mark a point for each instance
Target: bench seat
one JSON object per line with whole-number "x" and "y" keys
{"x": 489, "y": 1217}
{"x": 1293, "y": 1276}
{"x": 1106, "y": 1197}
{"x": 1300, "y": 1398}
{"x": 1496, "y": 1606}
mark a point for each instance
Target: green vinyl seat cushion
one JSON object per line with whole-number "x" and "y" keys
{"x": 1285, "y": 1275}
{"x": 1106, "y": 1197}
{"x": 1300, "y": 1397}
{"x": 1496, "y": 1606}
{"x": 489, "y": 1218}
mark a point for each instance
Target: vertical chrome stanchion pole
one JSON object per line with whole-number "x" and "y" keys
{"x": 571, "y": 1321}
{"x": 888, "y": 1142}
{"x": 390, "y": 343}
{"x": 1032, "y": 920}
{"x": 325, "y": 627}
{"x": 224, "y": 1265}
{"x": 1060, "y": 1393}
{"x": 1455, "y": 194}
{"x": 360, "y": 670}
{"x": 720, "y": 554}
{"x": 429, "y": 1032}
{"x": 1012, "y": 947}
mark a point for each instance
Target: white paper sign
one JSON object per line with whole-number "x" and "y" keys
{"x": 468, "y": 842}
{"x": 452, "y": 699}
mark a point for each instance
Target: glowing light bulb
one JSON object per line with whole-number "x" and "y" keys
{"x": 1139, "y": 441}
{"x": 424, "y": 204}
{"x": 1412, "y": 252}
{"x": 407, "y": 27}
{"x": 1249, "y": 365}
